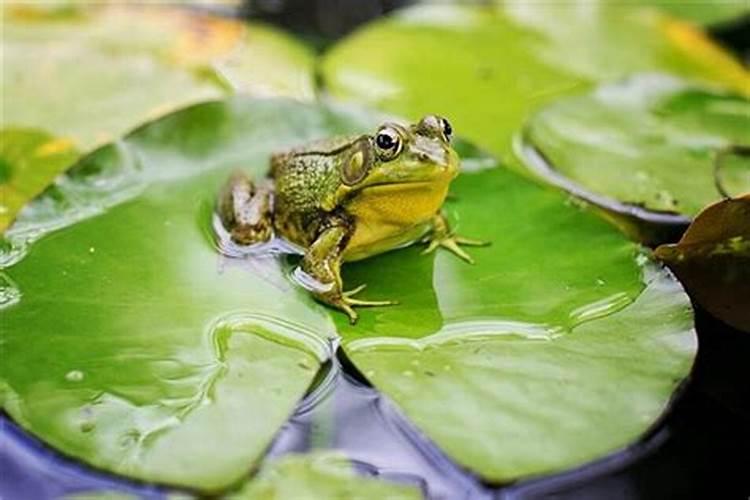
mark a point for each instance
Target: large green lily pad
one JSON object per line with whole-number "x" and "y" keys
{"x": 128, "y": 342}
{"x": 88, "y": 74}
{"x": 319, "y": 476}
{"x": 126, "y": 334}
{"x": 488, "y": 67}
{"x": 553, "y": 350}
{"x": 649, "y": 142}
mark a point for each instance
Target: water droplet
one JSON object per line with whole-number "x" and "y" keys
{"x": 408, "y": 373}
{"x": 370, "y": 373}
{"x": 87, "y": 426}
{"x": 129, "y": 439}
{"x": 447, "y": 368}
{"x": 92, "y": 249}
{"x": 74, "y": 376}
{"x": 600, "y": 282}
{"x": 415, "y": 362}
{"x": 304, "y": 364}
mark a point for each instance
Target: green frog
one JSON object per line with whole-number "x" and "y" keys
{"x": 347, "y": 198}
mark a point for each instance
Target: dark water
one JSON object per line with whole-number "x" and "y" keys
{"x": 700, "y": 450}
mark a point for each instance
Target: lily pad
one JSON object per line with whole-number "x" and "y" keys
{"x": 706, "y": 12}
{"x": 128, "y": 342}
{"x": 28, "y": 160}
{"x": 555, "y": 349}
{"x": 713, "y": 260}
{"x": 115, "y": 324}
{"x": 320, "y": 476}
{"x": 140, "y": 63}
{"x": 647, "y": 144}
{"x": 488, "y": 68}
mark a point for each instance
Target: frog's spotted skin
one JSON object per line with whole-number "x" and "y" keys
{"x": 347, "y": 198}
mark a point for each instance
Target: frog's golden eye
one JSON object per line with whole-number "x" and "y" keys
{"x": 388, "y": 142}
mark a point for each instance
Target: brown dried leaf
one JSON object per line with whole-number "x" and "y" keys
{"x": 713, "y": 260}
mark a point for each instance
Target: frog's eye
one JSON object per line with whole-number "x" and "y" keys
{"x": 447, "y": 129}
{"x": 435, "y": 126}
{"x": 388, "y": 142}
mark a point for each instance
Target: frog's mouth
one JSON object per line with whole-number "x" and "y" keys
{"x": 412, "y": 177}
{"x": 390, "y": 186}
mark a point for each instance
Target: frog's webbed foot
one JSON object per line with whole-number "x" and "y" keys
{"x": 441, "y": 236}
{"x": 322, "y": 262}
{"x": 346, "y": 303}
{"x": 246, "y": 209}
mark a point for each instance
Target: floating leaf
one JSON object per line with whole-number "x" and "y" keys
{"x": 320, "y": 476}
{"x": 127, "y": 322}
{"x": 713, "y": 260}
{"x": 87, "y": 75}
{"x": 553, "y": 350}
{"x": 128, "y": 342}
{"x": 647, "y": 144}
{"x": 28, "y": 160}
{"x": 706, "y": 12}
{"x": 488, "y": 67}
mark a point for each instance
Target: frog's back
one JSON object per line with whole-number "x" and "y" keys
{"x": 310, "y": 155}
{"x": 304, "y": 175}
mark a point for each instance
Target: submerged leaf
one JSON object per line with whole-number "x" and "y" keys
{"x": 132, "y": 343}
{"x": 713, "y": 260}
{"x": 320, "y": 476}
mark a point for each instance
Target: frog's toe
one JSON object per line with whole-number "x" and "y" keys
{"x": 346, "y": 303}
{"x": 371, "y": 303}
{"x": 470, "y": 242}
{"x": 354, "y": 290}
{"x": 431, "y": 246}
{"x": 347, "y": 297}
{"x": 349, "y": 311}
{"x": 452, "y": 245}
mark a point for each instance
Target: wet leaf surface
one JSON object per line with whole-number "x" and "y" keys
{"x": 650, "y": 141}
{"x": 29, "y": 159}
{"x": 319, "y": 476}
{"x": 132, "y": 344}
{"x": 454, "y": 67}
{"x": 712, "y": 260}
{"x": 140, "y": 63}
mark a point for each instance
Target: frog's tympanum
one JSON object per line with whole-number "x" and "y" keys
{"x": 348, "y": 198}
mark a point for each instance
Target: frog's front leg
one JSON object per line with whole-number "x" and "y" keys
{"x": 322, "y": 262}
{"x": 442, "y": 236}
{"x": 246, "y": 209}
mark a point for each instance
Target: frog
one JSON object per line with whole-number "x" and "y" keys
{"x": 347, "y": 198}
